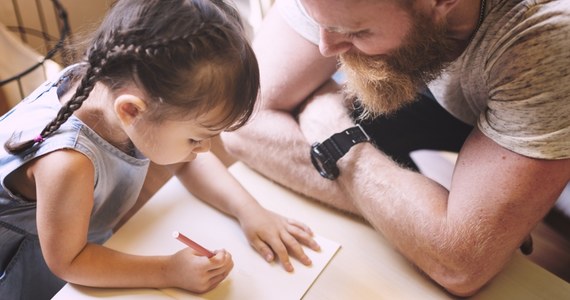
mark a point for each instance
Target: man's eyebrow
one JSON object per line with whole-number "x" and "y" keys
{"x": 335, "y": 29}
{"x": 342, "y": 30}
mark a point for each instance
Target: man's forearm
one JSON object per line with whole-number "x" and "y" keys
{"x": 463, "y": 237}
{"x": 274, "y": 146}
{"x": 407, "y": 208}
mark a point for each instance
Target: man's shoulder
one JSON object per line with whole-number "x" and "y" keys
{"x": 517, "y": 30}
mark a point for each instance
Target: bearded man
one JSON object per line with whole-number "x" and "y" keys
{"x": 488, "y": 79}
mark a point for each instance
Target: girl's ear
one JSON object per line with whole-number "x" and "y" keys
{"x": 128, "y": 108}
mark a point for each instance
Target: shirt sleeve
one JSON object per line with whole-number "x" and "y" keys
{"x": 529, "y": 88}
{"x": 296, "y": 16}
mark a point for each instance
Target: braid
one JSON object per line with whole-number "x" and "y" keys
{"x": 199, "y": 34}
{"x": 98, "y": 59}
{"x": 81, "y": 94}
{"x": 191, "y": 55}
{"x": 121, "y": 47}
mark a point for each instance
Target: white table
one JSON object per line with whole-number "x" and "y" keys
{"x": 367, "y": 267}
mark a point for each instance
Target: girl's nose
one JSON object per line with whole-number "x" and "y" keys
{"x": 203, "y": 146}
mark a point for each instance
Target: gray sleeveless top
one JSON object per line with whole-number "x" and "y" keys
{"x": 118, "y": 176}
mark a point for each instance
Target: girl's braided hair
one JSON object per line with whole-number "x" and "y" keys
{"x": 188, "y": 56}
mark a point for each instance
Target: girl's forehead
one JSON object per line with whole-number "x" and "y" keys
{"x": 190, "y": 128}
{"x": 206, "y": 133}
{"x": 215, "y": 120}
{"x": 203, "y": 124}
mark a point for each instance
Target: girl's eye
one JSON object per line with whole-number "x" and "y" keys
{"x": 193, "y": 142}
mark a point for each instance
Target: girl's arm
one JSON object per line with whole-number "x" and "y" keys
{"x": 64, "y": 188}
{"x": 269, "y": 234}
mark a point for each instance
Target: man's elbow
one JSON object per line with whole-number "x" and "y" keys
{"x": 461, "y": 288}
{"x": 464, "y": 282}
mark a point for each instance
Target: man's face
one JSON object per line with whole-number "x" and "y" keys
{"x": 387, "y": 51}
{"x": 385, "y": 83}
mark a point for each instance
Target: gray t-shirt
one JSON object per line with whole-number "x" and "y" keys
{"x": 512, "y": 81}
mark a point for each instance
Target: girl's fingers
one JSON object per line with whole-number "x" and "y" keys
{"x": 301, "y": 226}
{"x": 221, "y": 262}
{"x": 279, "y": 247}
{"x": 303, "y": 234}
{"x": 263, "y": 249}
{"x": 291, "y": 248}
{"x": 295, "y": 248}
{"x": 217, "y": 277}
{"x": 214, "y": 281}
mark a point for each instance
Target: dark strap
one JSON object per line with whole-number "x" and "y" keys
{"x": 339, "y": 143}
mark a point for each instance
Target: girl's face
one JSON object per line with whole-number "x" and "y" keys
{"x": 169, "y": 141}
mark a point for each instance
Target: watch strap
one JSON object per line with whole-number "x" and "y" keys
{"x": 340, "y": 143}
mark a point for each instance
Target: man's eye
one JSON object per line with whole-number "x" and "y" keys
{"x": 357, "y": 35}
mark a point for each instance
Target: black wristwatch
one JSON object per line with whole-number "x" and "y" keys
{"x": 325, "y": 155}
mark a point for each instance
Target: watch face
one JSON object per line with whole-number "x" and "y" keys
{"x": 324, "y": 163}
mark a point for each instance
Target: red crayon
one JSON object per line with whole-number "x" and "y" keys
{"x": 190, "y": 243}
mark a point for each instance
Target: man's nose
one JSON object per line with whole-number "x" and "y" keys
{"x": 333, "y": 43}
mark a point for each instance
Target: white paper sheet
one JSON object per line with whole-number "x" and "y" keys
{"x": 149, "y": 232}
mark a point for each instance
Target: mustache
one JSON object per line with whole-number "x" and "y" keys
{"x": 378, "y": 87}
{"x": 384, "y": 83}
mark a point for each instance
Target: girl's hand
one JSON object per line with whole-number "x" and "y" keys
{"x": 190, "y": 271}
{"x": 271, "y": 234}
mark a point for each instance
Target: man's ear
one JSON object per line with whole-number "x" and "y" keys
{"x": 442, "y": 7}
{"x": 128, "y": 108}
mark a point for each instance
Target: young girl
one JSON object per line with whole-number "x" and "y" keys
{"x": 159, "y": 80}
